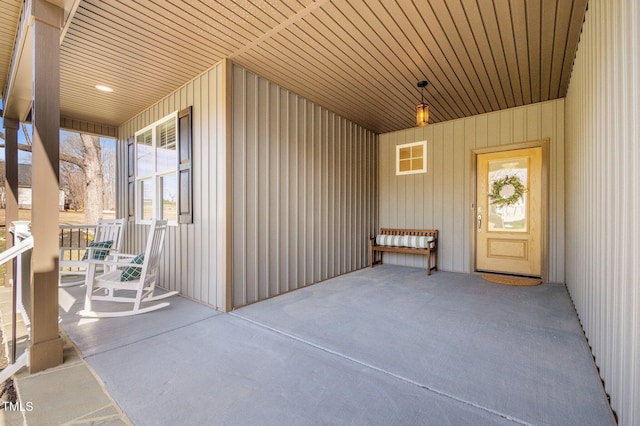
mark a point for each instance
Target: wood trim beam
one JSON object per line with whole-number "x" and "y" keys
{"x": 283, "y": 25}
{"x": 69, "y": 18}
{"x": 17, "y": 82}
{"x": 17, "y": 91}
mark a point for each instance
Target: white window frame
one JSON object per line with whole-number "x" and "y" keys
{"x": 424, "y": 158}
{"x": 155, "y": 176}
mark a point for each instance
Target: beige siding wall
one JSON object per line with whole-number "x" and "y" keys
{"x": 603, "y": 196}
{"x": 304, "y": 191}
{"x": 194, "y": 253}
{"x": 88, "y": 127}
{"x": 440, "y": 198}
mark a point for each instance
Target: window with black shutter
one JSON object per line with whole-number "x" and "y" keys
{"x": 160, "y": 181}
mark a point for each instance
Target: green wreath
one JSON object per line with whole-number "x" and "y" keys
{"x": 513, "y": 190}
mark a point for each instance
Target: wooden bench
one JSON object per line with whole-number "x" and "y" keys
{"x": 395, "y": 242}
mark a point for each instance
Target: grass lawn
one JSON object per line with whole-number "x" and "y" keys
{"x": 66, "y": 218}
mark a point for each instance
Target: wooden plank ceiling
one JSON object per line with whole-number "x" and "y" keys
{"x": 358, "y": 58}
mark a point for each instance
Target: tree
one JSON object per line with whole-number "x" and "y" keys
{"x": 80, "y": 153}
{"x": 109, "y": 175}
{"x": 94, "y": 195}
{"x": 84, "y": 152}
{"x": 73, "y": 184}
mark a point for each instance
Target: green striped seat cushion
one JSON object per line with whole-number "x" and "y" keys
{"x": 131, "y": 273}
{"x": 98, "y": 254}
{"x": 390, "y": 240}
{"x": 405, "y": 241}
{"x": 418, "y": 242}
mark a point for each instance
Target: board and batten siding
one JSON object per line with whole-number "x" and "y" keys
{"x": 193, "y": 254}
{"x": 603, "y": 196}
{"x": 441, "y": 198}
{"x": 304, "y": 191}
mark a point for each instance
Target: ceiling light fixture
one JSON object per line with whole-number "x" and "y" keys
{"x": 104, "y": 88}
{"x": 422, "y": 110}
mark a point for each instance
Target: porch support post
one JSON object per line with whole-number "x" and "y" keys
{"x": 10, "y": 185}
{"x": 46, "y": 347}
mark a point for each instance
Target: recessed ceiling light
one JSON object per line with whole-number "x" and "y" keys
{"x": 104, "y": 88}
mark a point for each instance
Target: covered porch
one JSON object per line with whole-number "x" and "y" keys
{"x": 387, "y": 345}
{"x": 286, "y": 135}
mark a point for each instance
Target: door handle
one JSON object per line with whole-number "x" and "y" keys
{"x": 479, "y": 223}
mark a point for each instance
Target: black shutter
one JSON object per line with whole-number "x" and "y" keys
{"x": 185, "y": 174}
{"x": 131, "y": 178}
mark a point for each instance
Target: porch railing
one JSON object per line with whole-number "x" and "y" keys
{"x": 76, "y": 236}
{"x": 23, "y": 247}
{"x": 74, "y": 239}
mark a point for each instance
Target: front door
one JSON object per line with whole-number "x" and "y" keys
{"x": 509, "y": 212}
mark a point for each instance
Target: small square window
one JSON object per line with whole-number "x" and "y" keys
{"x": 411, "y": 158}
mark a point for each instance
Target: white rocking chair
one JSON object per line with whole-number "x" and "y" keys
{"x": 107, "y": 241}
{"x": 130, "y": 279}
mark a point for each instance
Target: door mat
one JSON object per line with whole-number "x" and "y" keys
{"x": 511, "y": 280}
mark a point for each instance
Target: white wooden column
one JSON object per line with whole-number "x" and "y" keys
{"x": 46, "y": 347}
{"x": 10, "y": 184}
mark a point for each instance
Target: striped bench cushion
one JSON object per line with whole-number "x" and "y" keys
{"x": 405, "y": 241}
{"x": 390, "y": 240}
{"x": 418, "y": 242}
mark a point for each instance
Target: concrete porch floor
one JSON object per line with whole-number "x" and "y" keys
{"x": 388, "y": 345}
